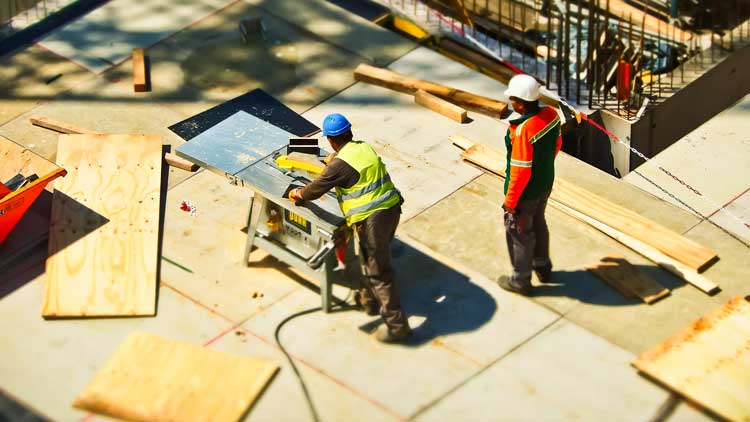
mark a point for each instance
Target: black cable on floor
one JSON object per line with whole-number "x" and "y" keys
{"x": 302, "y": 384}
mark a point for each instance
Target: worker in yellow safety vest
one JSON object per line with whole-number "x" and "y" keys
{"x": 372, "y": 207}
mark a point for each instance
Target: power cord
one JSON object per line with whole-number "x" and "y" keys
{"x": 305, "y": 391}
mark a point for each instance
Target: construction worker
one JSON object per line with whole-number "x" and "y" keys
{"x": 372, "y": 207}
{"x": 532, "y": 142}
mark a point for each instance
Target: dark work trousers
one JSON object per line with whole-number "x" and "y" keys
{"x": 527, "y": 236}
{"x": 375, "y": 235}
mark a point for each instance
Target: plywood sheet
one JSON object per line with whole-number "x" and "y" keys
{"x": 709, "y": 362}
{"x": 150, "y": 378}
{"x": 104, "y": 227}
{"x": 620, "y": 274}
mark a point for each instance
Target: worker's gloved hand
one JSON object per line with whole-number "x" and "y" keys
{"x": 295, "y": 195}
{"x": 509, "y": 210}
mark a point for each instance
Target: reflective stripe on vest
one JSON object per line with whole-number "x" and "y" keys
{"x": 367, "y": 189}
{"x": 373, "y": 191}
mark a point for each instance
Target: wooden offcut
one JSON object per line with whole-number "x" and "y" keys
{"x": 709, "y": 361}
{"x": 665, "y": 246}
{"x": 150, "y": 378}
{"x": 104, "y": 229}
{"x": 175, "y": 160}
{"x": 139, "y": 70}
{"x": 440, "y": 106}
{"x": 58, "y": 126}
{"x": 624, "y": 277}
{"x": 406, "y": 84}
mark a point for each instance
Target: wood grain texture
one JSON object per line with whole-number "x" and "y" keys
{"x": 139, "y": 70}
{"x": 179, "y": 162}
{"x": 440, "y": 106}
{"x": 669, "y": 264}
{"x": 104, "y": 227}
{"x": 406, "y": 84}
{"x": 150, "y": 378}
{"x": 620, "y": 274}
{"x": 672, "y": 244}
{"x": 16, "y": 159}
{"x": 709, "y": 361}
{"x": 689, "y": 254}
{"x": 58, "y": 126}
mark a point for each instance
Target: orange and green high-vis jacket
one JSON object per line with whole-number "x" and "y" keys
{"x": 533, "y": 142}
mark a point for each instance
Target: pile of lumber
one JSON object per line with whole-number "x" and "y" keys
{"x": 670, "y": 250}
{"x": 448, "y": 101}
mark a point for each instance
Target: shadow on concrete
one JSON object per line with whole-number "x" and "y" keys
{"x": 11, "y": 409}
{"x": 74, "y": 222}
{"x": 586, "y": 287}
{"x": 446, "y": 298}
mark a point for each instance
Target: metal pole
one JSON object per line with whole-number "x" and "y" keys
{"x": 590, "y": 55}
{"x": 549, "y": 45}
{"x": 578, "y": 51}
{"x": 559, "y": 55}
{"x": 567, "y": 49}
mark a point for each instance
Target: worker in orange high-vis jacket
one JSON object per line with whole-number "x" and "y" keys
{"x": 532, "y": 141}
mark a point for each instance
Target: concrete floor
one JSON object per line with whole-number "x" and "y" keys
{"x": 479, "y": 353}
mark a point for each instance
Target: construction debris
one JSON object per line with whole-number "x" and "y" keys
{"x": 150, "y": 378}
{"x": 625, "y": 278}
{"x": 58, "y": 126}
{"x": 708, "y": 362}
{"x": 139, "y": 71}
{"x": 402, "y": 83}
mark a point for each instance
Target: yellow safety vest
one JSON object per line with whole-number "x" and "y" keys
{"x": 373, "y": 191}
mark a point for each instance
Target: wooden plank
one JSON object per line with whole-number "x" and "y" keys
{"x": 709, "y": 361}
{"x": 440, "y": 106}
{"x": 669, "y": 264}
{"x": 670, "y": 250}
{"x": 150, "y": 378}
{"x": 179, "y": 162}
{"x": 139, "y": 70}
{"x": 619, "y": 273}
{"x": 58, "y": 126}
{"x": 406, "y": 84}
{"x": 104, "y": 227}
{"x": 682, "y": 249}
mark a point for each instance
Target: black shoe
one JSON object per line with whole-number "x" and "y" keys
{"x": 384, "y": 335}
{"x": 544, "y": 275}
{"x": 505, "y": 282}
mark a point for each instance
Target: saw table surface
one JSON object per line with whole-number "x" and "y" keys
{"x": 242, "y": 147}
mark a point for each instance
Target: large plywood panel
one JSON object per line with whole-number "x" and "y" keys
{"x": 709, "y": 361}
{"x": 150, "y": 378}
{"x": 104, "y": 227}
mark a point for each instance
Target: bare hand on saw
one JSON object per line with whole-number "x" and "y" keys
{"x": 295, "y": 195}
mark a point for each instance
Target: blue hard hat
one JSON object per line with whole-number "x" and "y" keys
{"x": 335, "y": 124}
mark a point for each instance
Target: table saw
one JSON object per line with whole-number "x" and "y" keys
{"x": 243, "y": 148}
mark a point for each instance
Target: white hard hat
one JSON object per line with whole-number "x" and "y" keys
{"x": 524, "y": 87}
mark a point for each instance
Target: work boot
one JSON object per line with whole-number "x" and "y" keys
{"x": 507, "y": 283}
{"x": 544, "y": 274}
{"x": 385, "y": 335}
